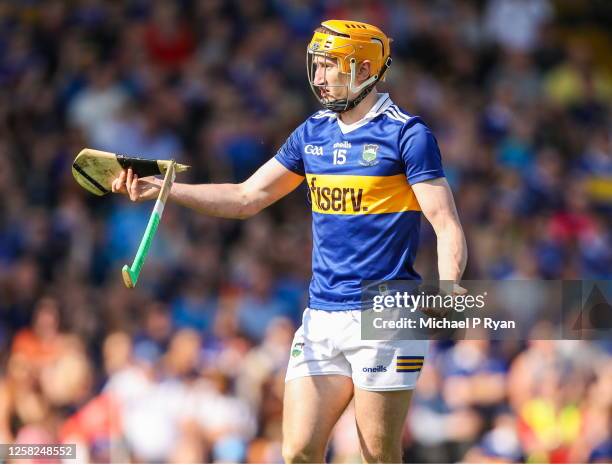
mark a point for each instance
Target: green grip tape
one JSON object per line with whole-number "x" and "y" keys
{"x": 143, "y": 248}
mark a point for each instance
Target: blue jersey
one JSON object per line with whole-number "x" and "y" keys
{"x": 365, "y": 216}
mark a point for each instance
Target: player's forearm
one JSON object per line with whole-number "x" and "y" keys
{"x": 220, "y": 200}
{"x": 452, "y": 252}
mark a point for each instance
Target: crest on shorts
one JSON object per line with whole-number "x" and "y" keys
{"x": 368, "y": 156}
{"x": 297, "y": 349}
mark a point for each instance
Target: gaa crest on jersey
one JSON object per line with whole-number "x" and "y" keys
{"x": 368, "y": 156}
{"x": 313, "y": 150}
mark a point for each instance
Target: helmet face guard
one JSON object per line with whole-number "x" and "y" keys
{"x": 343, "y": 104}
{"x": 347, "y": 52}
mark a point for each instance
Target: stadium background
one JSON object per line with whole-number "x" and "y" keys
{"x": 190, "y": 365}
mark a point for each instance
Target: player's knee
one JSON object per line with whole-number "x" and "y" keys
{"x": 383, "y": 455}
{"x": 381, "y": 450}
{"x": 301, "y": 453}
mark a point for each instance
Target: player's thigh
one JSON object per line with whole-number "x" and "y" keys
{"x": 311, "y": 408}
{"x": 380, "y": 417}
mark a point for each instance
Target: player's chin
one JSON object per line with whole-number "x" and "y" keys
{"x": 330, "y": 98}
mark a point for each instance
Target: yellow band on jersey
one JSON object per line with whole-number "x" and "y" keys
{"x": 337, "y": 194}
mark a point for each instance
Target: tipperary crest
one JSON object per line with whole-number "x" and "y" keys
{"x": 368, "y": 157}
{"x": 297, "y": 350}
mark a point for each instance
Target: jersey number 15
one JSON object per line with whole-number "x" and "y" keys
{"x": 339, "y": 156}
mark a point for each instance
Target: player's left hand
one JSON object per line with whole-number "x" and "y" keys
{"x": 444, "y": 312}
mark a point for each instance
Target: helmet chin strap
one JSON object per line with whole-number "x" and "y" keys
{"x": 342, "y": 105}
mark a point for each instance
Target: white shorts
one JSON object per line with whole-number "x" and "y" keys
{"x": 329, "y": 343}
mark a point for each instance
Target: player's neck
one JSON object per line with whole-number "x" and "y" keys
{"x": 355, "y": 114}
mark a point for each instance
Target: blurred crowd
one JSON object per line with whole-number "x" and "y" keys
{"x": 190, "y": 365}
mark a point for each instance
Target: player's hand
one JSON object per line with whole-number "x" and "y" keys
{"x": 444, "y": 312}
{"x": 137, "y": 189}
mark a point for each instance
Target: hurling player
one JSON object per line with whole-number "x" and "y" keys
{"x": 371, "y": 170}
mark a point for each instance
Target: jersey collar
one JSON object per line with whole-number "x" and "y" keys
{"x": 383, "y": 102}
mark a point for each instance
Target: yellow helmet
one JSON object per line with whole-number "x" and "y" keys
{"x": 351, "y": 43}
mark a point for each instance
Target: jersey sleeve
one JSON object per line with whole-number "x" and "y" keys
{"x": 420, "y": 153}
{"x": 290, "y": 154}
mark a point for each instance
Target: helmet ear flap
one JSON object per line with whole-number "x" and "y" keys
{"x": 359, "y": 65}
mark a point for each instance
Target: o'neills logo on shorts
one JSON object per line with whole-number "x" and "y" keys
{"x": 378, "y": 369}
